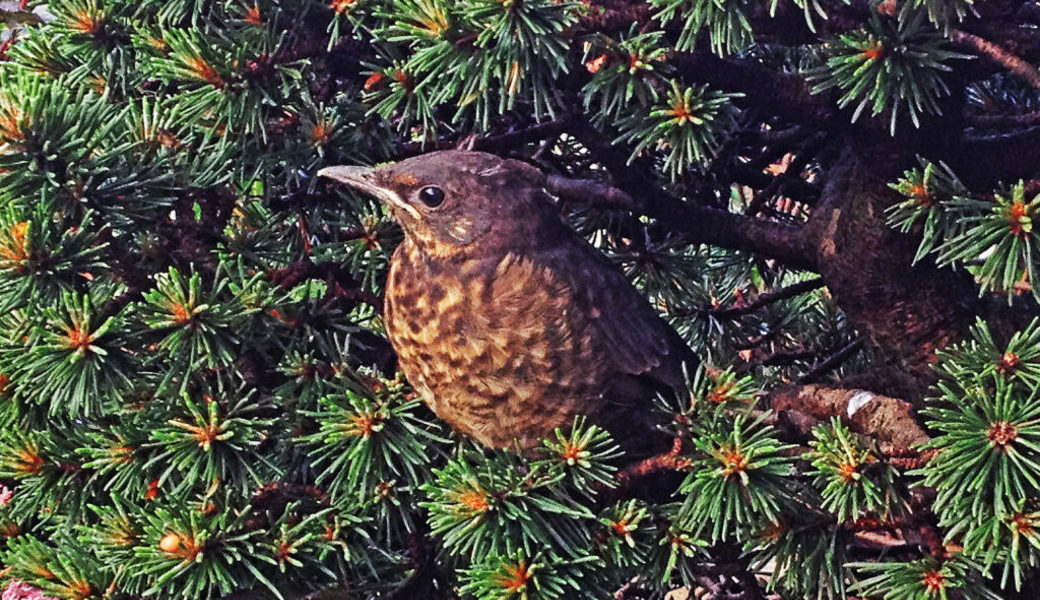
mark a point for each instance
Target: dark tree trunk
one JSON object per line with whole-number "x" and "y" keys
{"x": 905, "y": 312}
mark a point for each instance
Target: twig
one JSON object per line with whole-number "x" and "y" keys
{"x": 673, "y": 460}
{"x": 622, "y": 592}
{"x": 764, "y": 195}
{"x": 780, "y": 358}
{"x": 534, "y": 133}
{"x": 833, "y": 361}
{"x": 985, "y": 156}
{"x": 738, "y": 309}
{"x": 280, "y": 494}
{"x": 795, "y": 167}
{"x": 6, "y": 44}
{"x": 1027, "y": 118}
{"x": 341, "y": 283}
{"x": 793, "y": 186}
{"x": 1018, "y": 67}
{"x": 766, "y": 298}
{"x": 304, "y": 234}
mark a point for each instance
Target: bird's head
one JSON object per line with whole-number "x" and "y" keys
{"x": 454, "y": 199}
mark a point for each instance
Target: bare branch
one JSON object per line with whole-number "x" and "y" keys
{"x": 792, "y": 185}
{"x": 995, "y": 121}
{"x": 889, "y": 420}
{"x": 591, "y": 191}
{"x": 699, "y": 224}
{"x": 1018, "y": 67}
{"x": 985, "y": 157}
{"x": 672, "y": 460}
{"x": 833, "y": 361}
{"x": 766, "y": 298}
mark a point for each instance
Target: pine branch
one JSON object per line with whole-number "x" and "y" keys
{"x": 833, "y": 361}
{"x": 767, "y": 298}
{"x": 699, "y": 224}
{"x": 1015, "y": 65}
{"x": 341, "y": 284}
{"x": 500, "y": 143}
{"x": 782, "y": 94}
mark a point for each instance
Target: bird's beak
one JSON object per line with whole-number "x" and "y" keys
{"x": 364, "y": 179}
{"x": 361, "y": 178}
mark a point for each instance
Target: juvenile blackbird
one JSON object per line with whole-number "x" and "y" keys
{"x": 507, "y": 322}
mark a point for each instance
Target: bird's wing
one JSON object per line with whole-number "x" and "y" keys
{"x": 632, "y": 335}
{"x": 586, "y": 337}
{"x": 625, "y": 332}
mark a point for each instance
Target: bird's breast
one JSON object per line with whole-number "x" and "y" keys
{"x": 496, "y": 346}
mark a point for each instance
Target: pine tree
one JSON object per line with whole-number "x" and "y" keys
{"x": 830, "y": 200}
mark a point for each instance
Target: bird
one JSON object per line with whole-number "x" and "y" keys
{"x": 507, "y": 322}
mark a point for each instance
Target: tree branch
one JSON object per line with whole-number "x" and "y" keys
{"x": 985, "y": 157}
{"x": 793, "y": 186}
{"x": 779, "y": 359}
{"x": 766, "y": 298}
{"x": 890, "y": 420}
{"x": 782, "y": 94}
{"x": 609, "y": 16}
{"x": 833, "y": 361}
{"x": 1017, "y": 37}
{"x": 672, "y": 460}
{"x": 592, "y": 191}
{"x": 1018, "y": 67}
{"x": 996, "y": 121}
{"x": 700, "y": 225}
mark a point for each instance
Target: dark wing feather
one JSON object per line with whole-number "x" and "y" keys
{"x": 635, "y": 339}
{"x": 646, "y": 354}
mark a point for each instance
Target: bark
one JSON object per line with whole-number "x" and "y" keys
{"x": 889, "y": 420}
{"x": 905, "y": 312}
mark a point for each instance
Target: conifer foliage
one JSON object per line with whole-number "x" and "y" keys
{"x": 197, "y": 399}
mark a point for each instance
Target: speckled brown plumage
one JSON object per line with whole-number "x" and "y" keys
{"x": 505, "y": 321}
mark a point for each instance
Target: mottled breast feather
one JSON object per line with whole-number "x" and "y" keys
{"x": 544, "y": 351}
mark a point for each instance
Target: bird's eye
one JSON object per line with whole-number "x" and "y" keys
{"x": 431, "y": 196}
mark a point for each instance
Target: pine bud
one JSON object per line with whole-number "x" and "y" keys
{"x": 170, "y": 543}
